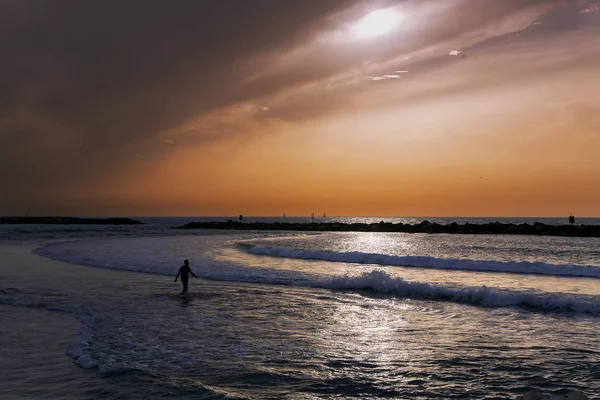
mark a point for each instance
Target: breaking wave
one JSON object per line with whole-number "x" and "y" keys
{"x": 121, "y": 255}
{"x": 380, "y": 282}
{"x": 521, "y": 267}
{"x": 80, "y": 348}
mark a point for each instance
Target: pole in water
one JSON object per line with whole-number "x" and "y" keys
{"x": 241, "y": 217}
{"x": 571, "y": 219}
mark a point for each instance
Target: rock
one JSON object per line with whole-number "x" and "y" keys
{"x": 496, "y": 228}
{"x": 68, "y": 221}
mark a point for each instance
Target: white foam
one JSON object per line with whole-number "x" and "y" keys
{"x": 147, "y": 256}
{"x": 80, "y": 348}
{"x": 381, "y": 282}
{"x": 523, "y": 267}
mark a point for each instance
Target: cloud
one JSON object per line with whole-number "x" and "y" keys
{"x": 112, "y": 81}
{"x": 455, "y": 52}
{"x": 593, "y": 8}
{"x": 109, "y": 78}
{"x": 384, "y": 77}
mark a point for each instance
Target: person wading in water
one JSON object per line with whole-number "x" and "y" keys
{"x": 184, "y": 271}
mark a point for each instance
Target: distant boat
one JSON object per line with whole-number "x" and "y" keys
{"x": 284, "y": 214}
{"x": 324, "y": 216}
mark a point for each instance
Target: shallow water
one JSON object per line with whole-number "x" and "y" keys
{"x": 33, "y": 343}
{"x": 258, "y": 326}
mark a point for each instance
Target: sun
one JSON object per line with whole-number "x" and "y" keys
{"x": 377, "y": 23}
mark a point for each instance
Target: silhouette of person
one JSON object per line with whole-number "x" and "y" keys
{"x": 184, "y": 271}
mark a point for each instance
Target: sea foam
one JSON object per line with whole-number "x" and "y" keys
{"x": 80, "y": 348}
{"x": 380, "y": 282}
{"x": 119, "y": 254}
{"x": 521, "y": 267}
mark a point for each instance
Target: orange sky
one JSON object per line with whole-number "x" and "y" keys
{"x": 510, "y": 126}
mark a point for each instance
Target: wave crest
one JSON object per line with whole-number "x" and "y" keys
{"x": 381, "y": 282}
{"x": 521, "y": 267}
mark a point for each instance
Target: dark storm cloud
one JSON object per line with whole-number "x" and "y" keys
{"x": 82, "y": 80}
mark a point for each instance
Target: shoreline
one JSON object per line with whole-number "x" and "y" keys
{"x": 492, "y": 228}
{"x": 57, "y": 376}
{"x": 40, "y": 357}
{"x": 34, "y": 366}
{"x": 37, "y": 336}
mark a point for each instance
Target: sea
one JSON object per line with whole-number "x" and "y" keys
{"x": 93, "y": 312}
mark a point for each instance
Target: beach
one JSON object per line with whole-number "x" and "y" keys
{"x": 35, "y": 334}
{"x": 95, "y": 313}
{"x": 392, "y": 199}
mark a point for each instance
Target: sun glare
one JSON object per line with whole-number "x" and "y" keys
{"x": 377, "y": 23}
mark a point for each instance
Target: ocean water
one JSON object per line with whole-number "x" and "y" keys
{"x": 92, "y": 312}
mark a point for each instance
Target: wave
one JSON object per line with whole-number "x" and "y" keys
{"x": 381, "y": 282}
{"x": 79, "y": 350}
{"x": 521, "y": 267}
{"x": 376, "y": 281}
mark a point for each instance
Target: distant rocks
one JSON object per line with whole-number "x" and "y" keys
{"x": 68, "y": 221}
{"x": 493, "y": 228}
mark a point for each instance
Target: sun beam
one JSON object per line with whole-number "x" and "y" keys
{"x": 377, "y": 23}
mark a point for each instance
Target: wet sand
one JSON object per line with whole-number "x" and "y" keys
{"x": 34, "y": 341}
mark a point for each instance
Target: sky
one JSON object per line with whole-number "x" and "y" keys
{"x": 349, "y": 107}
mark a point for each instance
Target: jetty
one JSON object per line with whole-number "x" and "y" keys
{"x": 69, "y": 221}
{"x": 493, "y": 228}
